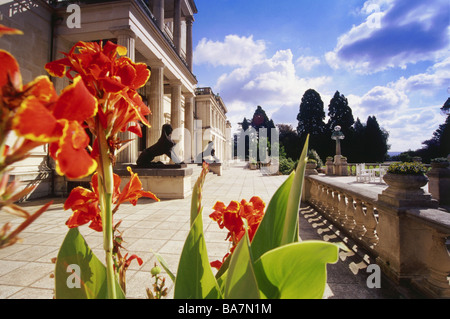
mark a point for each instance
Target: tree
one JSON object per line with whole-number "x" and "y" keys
{"x": 356, "y": 152}
{"x": 245, "y": 124}
{"x": 259, "y": 119}
{"x": 340, "y": 113}
{"x": 290, "y": 141}
{"x": 311, "y": 118}
{"x": 311, "y": 114}
{"x": 375, "y": 141}
{"x": 439, "y": 144}
{"x": 446, "y": 107}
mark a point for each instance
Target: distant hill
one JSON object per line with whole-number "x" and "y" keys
{"x": 394, "y": 153}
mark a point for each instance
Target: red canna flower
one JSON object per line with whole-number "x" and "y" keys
{"x": 133, "y": 190}
{"x": 7, "y": 30}
{"x": 86, "y": 206}
{"x": 231, "y": 217}
{"x": 42, "y": 117}
{"x": 38, "y": 116}
{"x": 113, "y": 80}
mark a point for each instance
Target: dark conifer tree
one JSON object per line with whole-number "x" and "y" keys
{"x": 375, "y": 141}
{"x": 311, "y": 118}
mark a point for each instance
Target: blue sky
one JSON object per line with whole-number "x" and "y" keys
{"x": 390, "y": 58}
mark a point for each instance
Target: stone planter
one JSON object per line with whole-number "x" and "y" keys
{"x": 311, "y": 165}
{"x": 439, "y": 164}
{"x": 311, "y": 169}
{"x": 329, "y": 166}
{"x": 406, "y": 191}
{"x": 439, "y": 185}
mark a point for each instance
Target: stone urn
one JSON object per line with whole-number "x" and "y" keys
{"x": 406, "y": 190}
{"x": 440, "y": 164}
{"x": 311, "y": 168}
{"x": 329, "y": 166}
{"x": 439, "y": 185}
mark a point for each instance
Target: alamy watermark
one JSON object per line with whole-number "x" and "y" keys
{"x": 74, "y": 19}
{"x": 260, "y": 145}
{"x": 374, "y": 279}
{"x": 374, "y": 19}
{"x": 74, "y": 279}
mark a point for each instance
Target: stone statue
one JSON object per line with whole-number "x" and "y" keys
{"x": 164, "y": 146}
{"x": 209, "y": 150}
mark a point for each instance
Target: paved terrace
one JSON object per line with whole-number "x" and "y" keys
{"x": 26, "y": 267}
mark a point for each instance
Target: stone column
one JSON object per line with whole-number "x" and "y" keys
{"x": 177, "y": 26}
{"x": 127, "y": 39}
{"x": 189, "y": 125}
{"x": 189, "y": 55}
{"x": 156, "y": 102}
{"x": 158, "y": 12}
{"x": 175, "y": 106}
{"x": 175, "y": 116}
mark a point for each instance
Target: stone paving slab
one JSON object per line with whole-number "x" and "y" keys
{"x": 26, "y": 267}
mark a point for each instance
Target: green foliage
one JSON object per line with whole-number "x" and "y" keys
{"x": 312, "y": 154}
{"x": 413, "y": 168}
{"x": 289, "y": 141}
{"x": 311, "y": 257}
{"x": 195, "y": 279}
{"x": 92, "y": 273}
{"x": 274, "y": 265}
{"x": 439, "y": 160}
{"x": 286, "y": 166}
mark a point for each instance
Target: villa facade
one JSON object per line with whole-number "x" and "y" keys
{"x": 156, "y": 32}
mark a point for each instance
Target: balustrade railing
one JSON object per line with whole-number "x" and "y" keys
{"x": 409, "y": 243}
{"x": 351, "y": 211}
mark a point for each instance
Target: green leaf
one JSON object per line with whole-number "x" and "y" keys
{"x": 280, "y": 223}
{"x": 88, "y": 281}
{"x": 195, "y": 203}
{"x": 295, "y": 271}
{"x": 240, "y": 280}
{"x": 164, "y": 264}
{"x": 195, "y": 279}
{"x": 290, "y": 230}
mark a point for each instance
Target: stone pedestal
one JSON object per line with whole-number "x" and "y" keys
{"x": 439, "y": 184}
{"x": 165, "y": 183}
{"x": 216, "y": 168}
{"x": 406, "y": 191}
{"x": 329, "y": 170}
{"x": 311, "y": 169}
{"x": 340, "y": 166}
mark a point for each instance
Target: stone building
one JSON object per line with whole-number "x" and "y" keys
{"x": 156, "y": 32}
{"x": 211, "y": 123}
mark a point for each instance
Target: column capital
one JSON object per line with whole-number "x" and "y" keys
{"x": 123, "y": 31}
{"x": 155, "y": 63}
{"x": 188, "y": 94}
{"x": 175, "y": 82}
{"x": 189, "y": 20}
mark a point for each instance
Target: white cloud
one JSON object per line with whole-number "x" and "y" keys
{"x": 252, "y": 78}
{"x": 307, "y": 62}
{"x": 269, "y": 82}
{"x": 392, "y": 105}
{"x": 233, "y": 51}
{"x": 396, "y": 33}
{"x": 436, "y": 79}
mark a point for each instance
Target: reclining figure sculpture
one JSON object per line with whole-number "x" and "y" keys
{"x": 164, "y": 146}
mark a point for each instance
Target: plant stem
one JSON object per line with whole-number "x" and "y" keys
{"x": 106, "y": 188}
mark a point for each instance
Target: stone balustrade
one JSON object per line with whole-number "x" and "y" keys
{"x": 353, "y": 211}
{"x": 409, "y": 243}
